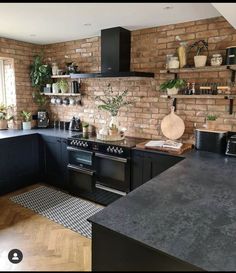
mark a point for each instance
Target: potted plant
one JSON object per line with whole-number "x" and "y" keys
{"x": 63, "y": 86}
{"x": 27, "y": 120}
{"x": 85, "y": 127}
{"x": 199, "y": 60}
{"x": 4, "y": 118}
{"x": 40, "y": 75}
{"x": 211, "y": 122}
{"x": 172, "y": 86}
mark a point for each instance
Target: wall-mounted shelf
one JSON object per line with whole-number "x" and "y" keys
{"x": 232, "y": 68}
{"x": 226, "y": 97}
{"x": 62, "y": 94}
{"x": 61, "y": 77}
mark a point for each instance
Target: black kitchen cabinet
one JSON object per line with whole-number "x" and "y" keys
{"x": 19, "y": 162}
{"x": 146, "y": 165}
{"x": 55, "y": 160}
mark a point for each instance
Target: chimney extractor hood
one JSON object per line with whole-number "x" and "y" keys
{"x": 115, "y": 56}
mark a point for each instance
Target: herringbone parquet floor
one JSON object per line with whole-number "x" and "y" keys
{"x": 46, "y": 245}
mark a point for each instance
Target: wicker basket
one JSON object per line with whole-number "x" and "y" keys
{"x": 3, "y": 124}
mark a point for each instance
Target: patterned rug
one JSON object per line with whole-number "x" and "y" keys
{"x": 69, "y": 211}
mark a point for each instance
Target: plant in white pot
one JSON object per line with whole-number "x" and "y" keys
{"x": 26, "y": 124}
{"x": 199, "y": 59}
{"x": 211, "y": 122}
{"x": 172, "y": 86}
{"x": 4, "y": 118}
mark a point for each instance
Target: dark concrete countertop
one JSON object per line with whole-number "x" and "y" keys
{"x": 188, "y": 212}
{"x": 49, "y": 132}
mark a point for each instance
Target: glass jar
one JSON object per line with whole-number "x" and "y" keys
{"x": 182, "y": 53}
{"x": 168, "y": 58}
{"x": 54, "y": 69}
{"x": 174, "y": 63}
{"x": 216, "y": 60}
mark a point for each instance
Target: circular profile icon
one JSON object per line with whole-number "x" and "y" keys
{"x": 15, "y": 256}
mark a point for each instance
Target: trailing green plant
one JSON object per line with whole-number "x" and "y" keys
{"x": 26, "y": 115}
{"x": 4, "y": 112}
{"x": 199, "y": 46}
{"x": 212, "y": 117}
{"x": 177, "y": 83}
{"x": 40, "y": 75}
{"x": 111, "y": 102}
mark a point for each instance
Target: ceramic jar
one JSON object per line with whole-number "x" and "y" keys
{"x": 55, "y": 88}
{"x": 174, "y": 63}
{"x": 54, "y": 69}
{"x": 216, "y": 60}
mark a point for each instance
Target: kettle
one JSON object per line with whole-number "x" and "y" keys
{"x": 75, "y": 124}
{"x": 72, "y": 125}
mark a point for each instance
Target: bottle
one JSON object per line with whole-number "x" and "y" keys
{"x": 181, "y": 50}
{"x": 193, "y": 88}
{"x": 174, "y": 63}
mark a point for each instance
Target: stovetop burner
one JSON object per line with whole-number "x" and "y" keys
{"x": 128, "y": 142}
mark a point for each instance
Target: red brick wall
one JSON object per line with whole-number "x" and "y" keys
{"x": 148, "y": 53}
{"x": 22, "y": 53}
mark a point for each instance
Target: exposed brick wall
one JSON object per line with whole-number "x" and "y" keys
{"x": 22, "y": 53}
{"x": 148, "y": 53}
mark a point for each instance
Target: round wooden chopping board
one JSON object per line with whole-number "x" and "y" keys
{"x": 172, "y": 126}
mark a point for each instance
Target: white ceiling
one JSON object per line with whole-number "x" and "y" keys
{"x": 45, "y": 23}
{"x": 228, "y": 10}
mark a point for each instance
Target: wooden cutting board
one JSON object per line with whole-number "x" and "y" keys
{"x": 172, "y": 126}
{"x": 185, "y": 147}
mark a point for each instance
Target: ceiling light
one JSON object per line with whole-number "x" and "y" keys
{"x": 32, "y": 35}
{"x": 87, "y": 25}
{"x": 168, "y": 7}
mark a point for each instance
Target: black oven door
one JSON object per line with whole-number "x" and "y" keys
{"x": 80, "y": 158}
{"x": 112, "y": 172}
{"x": 81, "y": 181}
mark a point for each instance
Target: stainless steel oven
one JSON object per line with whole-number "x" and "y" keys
{"x": 80, "y": 171}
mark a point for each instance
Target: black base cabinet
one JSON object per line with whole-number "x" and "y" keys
{"x": 54, "y": 161}
{"x": 112, "y": 251}
{"x": 146, "y": 165}
{"x": 19, "y": 162}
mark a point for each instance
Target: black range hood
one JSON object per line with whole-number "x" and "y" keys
{"x": 115, "y": 56}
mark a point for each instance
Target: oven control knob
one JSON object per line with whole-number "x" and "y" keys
{"x": 116, "y": 150}
{"x": 108, "y": 149}
{"x": 120, "y": 151}
{"x": 80, "y": 143}
{"x": 86, "y": 144}
{"x": 112, "y": 150}
{"x": 72, "y": 142}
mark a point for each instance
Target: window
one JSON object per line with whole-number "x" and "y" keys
{"x": 7, "y": 82}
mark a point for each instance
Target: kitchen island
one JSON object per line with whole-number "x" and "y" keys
{"x": 183, "y": 219}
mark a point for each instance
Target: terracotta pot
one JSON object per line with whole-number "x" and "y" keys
{"x": 3, "y": 124}
{"x": 211, "y": 124}
{"x": 200, "y": 60}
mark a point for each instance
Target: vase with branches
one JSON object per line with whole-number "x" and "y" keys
{"x": 112, "y": 102}
{"x": 199, "y": 46}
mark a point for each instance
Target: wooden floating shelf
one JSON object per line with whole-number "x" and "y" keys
{"x": 226, "y": 96}
{"x": 61, "y": 76}
{"x": 61, "y": 94}
{"x": 199, "y": 69}
{"x": 199, "y": 96}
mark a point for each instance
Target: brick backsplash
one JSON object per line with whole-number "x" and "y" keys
{"x": 148, "y": 53}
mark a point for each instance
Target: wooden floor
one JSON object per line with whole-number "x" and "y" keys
{"x": 45, "y": 244}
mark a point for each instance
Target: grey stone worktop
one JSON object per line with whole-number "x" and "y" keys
{"x": 188, "y": 212}
{"x": 49, "y": 132}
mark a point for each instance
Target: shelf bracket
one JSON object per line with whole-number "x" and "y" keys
{"x": 233, "y": 76}
{"x": 174, "y": 103}
{"x": 231, "y": 103}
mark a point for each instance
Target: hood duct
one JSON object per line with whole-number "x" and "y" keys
{"x": 115, "y": 56}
